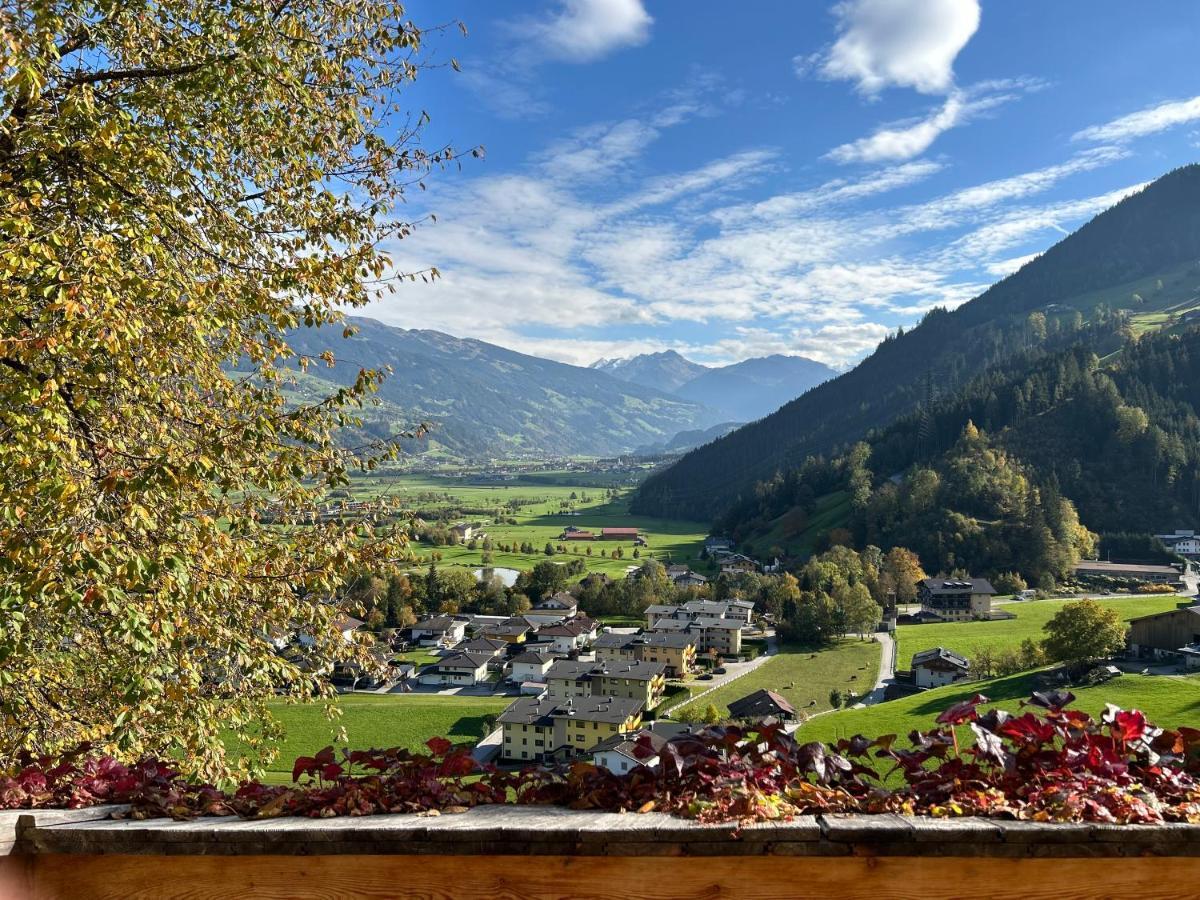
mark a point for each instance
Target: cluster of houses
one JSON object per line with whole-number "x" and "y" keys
{"x": 521, "y": 646}
{"x": 580, "y": 705}
{"x": 595, "y": 705}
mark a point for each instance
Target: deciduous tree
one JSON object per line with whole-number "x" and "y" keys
{"x": 1083, "y": 632}
{"x": 182, "y": 184}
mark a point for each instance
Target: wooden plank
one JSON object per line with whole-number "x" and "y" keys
{"x": 582, "y": 878}
{"x": 557, "y": 832}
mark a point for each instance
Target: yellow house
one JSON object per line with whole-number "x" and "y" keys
{"x": 535, "y": 728}
{"x": 511, "y": 631}
{"x": 613, "y": 647}
{"x": 676, "y": 651}
{"x": 629, "y": 679}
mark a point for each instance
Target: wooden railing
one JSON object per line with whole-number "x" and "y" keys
{"x": 501, "y": 852}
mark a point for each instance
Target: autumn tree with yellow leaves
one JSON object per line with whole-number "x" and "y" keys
{"x": 182, "y": 183}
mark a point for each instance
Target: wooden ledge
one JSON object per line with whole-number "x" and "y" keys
{"x": 550, "y": 831}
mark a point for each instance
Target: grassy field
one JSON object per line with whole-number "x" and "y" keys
{"x": 965, "y": 637}
{"x": 803, "y": 677}
{"x": 379, "y": 720}
{"x": 1168, "y": 700}
{"x": 541, "y": 518}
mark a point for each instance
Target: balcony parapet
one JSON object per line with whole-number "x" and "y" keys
{"x": 552, "y": 831}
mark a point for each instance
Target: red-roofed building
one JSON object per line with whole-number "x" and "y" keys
{"x": 618, "y": 534}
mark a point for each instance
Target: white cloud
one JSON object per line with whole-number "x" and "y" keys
{"x": 903, "y": 141}
{"x": 903, "y": 43}
{"x": 599, "y": 150}
{"x": 706, "y": 262}
{"x": 958, "y": 207}
{"x": 586, "y": 30}
{"x": 1150, "y": 120}
{"x": 836, "y": 191}
{"x": 1018, "y": 226}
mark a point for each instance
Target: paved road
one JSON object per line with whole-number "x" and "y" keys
{"x": 887, "y": 669}
{"x": 734, "y": 671}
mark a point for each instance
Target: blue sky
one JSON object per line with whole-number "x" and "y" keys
{"x": 731, "y": 180}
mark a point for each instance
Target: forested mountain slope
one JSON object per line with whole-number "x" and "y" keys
{"x": 486, "y": 402}
{"x": 1140, "y": 255}
{"x": 1003, "y": 472}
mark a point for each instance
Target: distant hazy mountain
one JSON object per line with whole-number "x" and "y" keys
{"x": 754, "y": 388}
{"x": 743, "y": 391}
{"x": 664, "y": 371}
{"x": 487, "y": 402}
{"x": 687, "y": 440}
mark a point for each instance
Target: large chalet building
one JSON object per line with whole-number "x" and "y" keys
{"x": 956, "y": 599}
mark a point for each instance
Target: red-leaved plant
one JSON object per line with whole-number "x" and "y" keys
{"x": 1050, "y": 763}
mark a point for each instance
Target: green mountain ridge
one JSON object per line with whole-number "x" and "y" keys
{"x": 1139, "y": 257}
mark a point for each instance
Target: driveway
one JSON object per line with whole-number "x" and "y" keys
{"x": 887, "y": 668}
{"x": 733, "y": 671}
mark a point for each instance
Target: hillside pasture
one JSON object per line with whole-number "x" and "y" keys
{"x": 536, "y": 503}
{"x": 803, "y": 677}
{"x": 1168, "y": 700}
{"x": 1007, "y": 634}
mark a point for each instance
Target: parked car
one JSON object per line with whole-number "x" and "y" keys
{"x": 720, "y": 670}
{"x": 707, "y": 676}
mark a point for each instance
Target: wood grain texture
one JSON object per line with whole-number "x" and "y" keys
{"x": 583, "y": 878}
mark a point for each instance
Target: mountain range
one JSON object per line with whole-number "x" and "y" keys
{"x": 485, "y": 402}
{"x": 741, "y": 392}
{"x": 1130, "y": 271}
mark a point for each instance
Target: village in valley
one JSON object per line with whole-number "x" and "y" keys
{"x": 613, "y": 637}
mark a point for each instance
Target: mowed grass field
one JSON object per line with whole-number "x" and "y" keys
{"x": 379, "y": 720}
{"x": 803, "y": 677}
{"x": 540, "y": 520}
{"x": 965, "y": 637}
{"x": 1168, "y": 700}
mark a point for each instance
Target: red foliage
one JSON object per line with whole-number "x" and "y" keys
{"x": 1057, "y": 764}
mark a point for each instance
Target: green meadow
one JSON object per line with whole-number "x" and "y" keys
{"x": 540, "y": 518}
{"x": 1168, "y": 700}
{"x": 379, "y": 720}
{"x": 1007, "y": 634}
{"x": 803, "y": 677}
